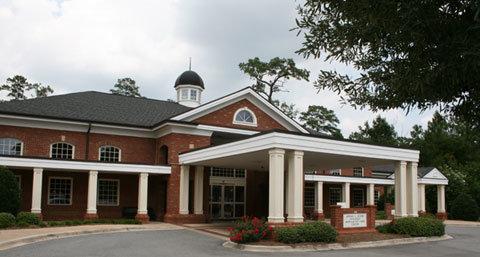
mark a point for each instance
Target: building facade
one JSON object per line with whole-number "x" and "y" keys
{"x": 96, "y": 155}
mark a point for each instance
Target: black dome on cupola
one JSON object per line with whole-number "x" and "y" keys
{"x": 189, "y": 77}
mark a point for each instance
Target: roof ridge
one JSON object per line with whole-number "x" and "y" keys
{"x": 133, "y": 97}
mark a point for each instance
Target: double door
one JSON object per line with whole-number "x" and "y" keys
{"x": 227, "y": 201}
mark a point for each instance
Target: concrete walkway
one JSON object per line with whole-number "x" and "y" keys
{"x": 15, "y": 237}
{"x": 462, "y": 223}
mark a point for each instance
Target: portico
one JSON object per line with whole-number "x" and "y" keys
{"x": 286, "y": 157}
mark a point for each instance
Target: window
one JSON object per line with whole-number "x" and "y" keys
{"x": 108, "y": 192}
{"x": 335, "y": 195}
{"x": 376, "y": 196}
{"x": 358, "y": 172}
{"x": 336, "y": 172}
{"x": 60, "y": 191}
{"x": 109, "y": 154}
{"x": 227, "y": 172}
{"x": 244, "y": 116}
{"x": 10, "y": 146}
{"x": 61, "y": 151}
{"x": 358, "y": 200}
{"x": 309, "y": 195}
{"x": 193, "y": 94}
{"x": 184, "y": 93}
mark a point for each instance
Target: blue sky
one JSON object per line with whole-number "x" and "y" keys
{"x": 78, "y": 45}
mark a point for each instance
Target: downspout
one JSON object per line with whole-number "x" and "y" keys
{"x": 87, "y": 141}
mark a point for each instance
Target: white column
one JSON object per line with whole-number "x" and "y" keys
{"x": 371, "y": 194}
{"x": 184, "y": 185}
{"x": 412, "y": 189}
{"x": 319, "y": 196}
{"x": 346, "y": 194}
{"x": 142, "y": 193}
{"x": 400, "y": 189}
{"x": 441, "y": 199}
{"x": 421, "y": 197}
{"x": 276, "y": 186}
{"x": 37, "y": 191}
{"x": 92, "y": 192}
{"x": 198, "y": 187}
{"x": 295, "y": 187}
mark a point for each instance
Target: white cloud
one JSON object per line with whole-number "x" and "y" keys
{"x": 81, "y": 45}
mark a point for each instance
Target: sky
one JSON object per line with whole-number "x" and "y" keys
{"x": 80, "y": 45}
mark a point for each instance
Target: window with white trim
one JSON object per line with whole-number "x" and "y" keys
{"x": 61, "y": 151}
{"x": 60, "y": 191}
{"x": 10, "y": 146}
{"x": 108, "y": 192}
{"x": 109, "y": 154}
{"x": 376, "y": 196}
{"x": 227, "y": 172}
{"x": 358, "y": 172}
{"x": 336, "y": 172}
{"x": 335, "y": 195}
{"x": 193, "y": 94}
{"x": 184, "y": 94}
{"x": 309, "y": 195}
{"x": 245, "y": 116}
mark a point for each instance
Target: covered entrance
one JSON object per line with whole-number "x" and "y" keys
{"x": 227, "y": 193}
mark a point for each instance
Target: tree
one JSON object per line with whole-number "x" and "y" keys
{"x": 271, "y": 76}
{"x": 127, "y": 87}
{"x": 9, "y": 192}
{"x": 17, "y": 87}
{"x": 321, "y": 119}
{"x": 380, "y": 132}
{"x": 289, "y": 109}
{"x": 409, "y": 53}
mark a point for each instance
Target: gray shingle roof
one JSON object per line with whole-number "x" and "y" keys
{"x": 389, "y": 169}
{"x": 92, "y": 106}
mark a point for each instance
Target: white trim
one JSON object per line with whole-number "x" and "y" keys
{"x": 335, "y": 171}
{"x": 227, "y": 130}
{"x": 68, "y": 165}
{"x": 432, "y": 181}
{"x": 60, "y": 142}
{"x": 353, "y": 180}
{"x": 434, "y": 174}
{"x": 254, "y": 118}
{"x": 353, "y": 171}
{"x": 300, "y": 143}
{"x": 21, "y": 144}
{"x": 181, "y": 129}
{"x": 246, "y": 93}
{"x": 118, "y": 191}
{"x": 119, "y": 152}
{"x": 71, "y": 190}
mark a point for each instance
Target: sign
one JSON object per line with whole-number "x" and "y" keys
{"x": 354, "y": 220}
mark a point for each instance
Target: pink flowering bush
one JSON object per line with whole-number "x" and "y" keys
{"x": 249, "y": 230}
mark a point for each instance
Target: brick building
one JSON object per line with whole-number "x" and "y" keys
{"x": 97, "y": 155}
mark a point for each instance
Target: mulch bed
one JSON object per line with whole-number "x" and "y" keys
{"x": 342, "y": 239}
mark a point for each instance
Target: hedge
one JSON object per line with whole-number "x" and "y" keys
{"x": 414, "y": 226}
{"x": 464, "y": 207}
{"x": 9, "y": 192}
{"x": 25, "y": 219}
{"x": 6, "y": 220}
{"x": 249, "y": 230}
{"x": 307, "y": 233}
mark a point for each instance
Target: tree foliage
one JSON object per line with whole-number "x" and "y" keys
{"x": 9, "y": 192}
{"x": 18, "y": 88}
{"x": 322, "y": 120}
{"x": 126, "y": 87}
{"x": 408, "y": 53}
{"x": 271, "y": 76}
{"x": 380, "y": 132}
{"x": 289, "y": 109}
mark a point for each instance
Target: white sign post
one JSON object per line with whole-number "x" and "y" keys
{"x": 354, "y": 220}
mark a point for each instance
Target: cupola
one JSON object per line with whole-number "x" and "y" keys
{"x": 189, "y": 86}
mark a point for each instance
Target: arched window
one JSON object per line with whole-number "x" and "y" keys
{"x": 11, "y": 146}
{"x": 62, "y": 151}
{"x": 245, "y": 116}
{"x": 109, "y": 154}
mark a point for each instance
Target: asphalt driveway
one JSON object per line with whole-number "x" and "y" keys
{"x": 466, "y": 242}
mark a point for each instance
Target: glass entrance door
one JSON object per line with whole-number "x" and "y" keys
{"x": 227, "y": 201}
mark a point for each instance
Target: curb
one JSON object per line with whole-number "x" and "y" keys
{"x": 45, "y": 237}
{"x": 333, "y": 246}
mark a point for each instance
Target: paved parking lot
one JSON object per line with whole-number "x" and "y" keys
{"x": 466, "y": 242}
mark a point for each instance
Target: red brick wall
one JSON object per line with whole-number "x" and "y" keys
{"x": 224, "y": 117}
{"x": 134, "y": 149}
{"x": 337, "y": 219}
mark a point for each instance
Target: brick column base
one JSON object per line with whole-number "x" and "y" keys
{"x": 90, "y": 216}
{"x": 39, "y": 215}
{"x": 422, "y": 214}
{"x": 441, "y": 215}
{"x": 185, "y": 218}
{"x": 143, "y": 218}
{"x": 388, "y": 211}
{"x": 319, "y": 216}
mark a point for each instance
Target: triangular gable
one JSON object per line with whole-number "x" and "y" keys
{"x": 435, "y": 174}
{"x": 250, "y": 95}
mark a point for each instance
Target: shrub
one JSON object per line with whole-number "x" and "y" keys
{"x": 464, "y": 207}
{"x": 385, "y": 229}
{"x": 418, "y": 226}
{"x": 381, "y": 215}
{"x": 249, "y": 230}
{"x": 25, "y": 219}
{"x": 307, "y": 233}
{"x": 9, "y": 192}
{"x": 6, "y": 220}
